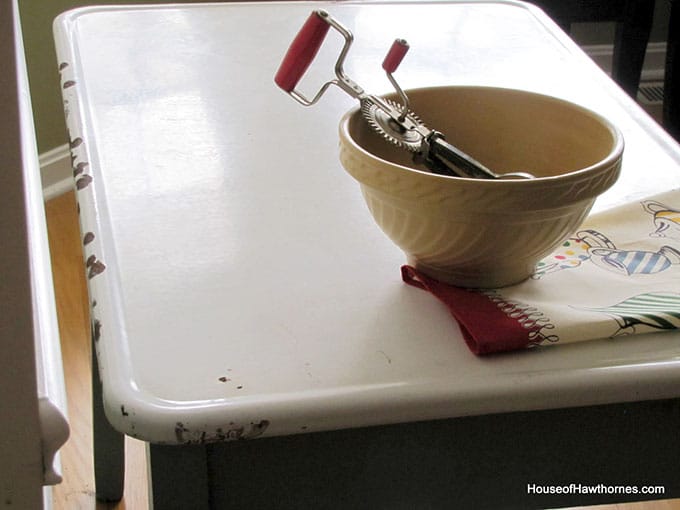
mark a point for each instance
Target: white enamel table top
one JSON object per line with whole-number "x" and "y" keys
{"x": 247, "y": 290}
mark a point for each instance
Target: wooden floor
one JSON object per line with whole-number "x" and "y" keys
{"x": 77, "y": 489}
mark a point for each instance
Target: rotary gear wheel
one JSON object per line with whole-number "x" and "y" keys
{"x": 390, "y": 130}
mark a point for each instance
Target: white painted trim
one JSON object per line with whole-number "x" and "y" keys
{"x": 652, "y": 70}
{"x": 56, "y": 172}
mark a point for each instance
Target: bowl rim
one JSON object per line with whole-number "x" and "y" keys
{"x": 609, "y": 161}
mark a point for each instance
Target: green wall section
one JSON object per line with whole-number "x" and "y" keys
{"x": 41, "y": 60}
{"x": 37, "y": 17}
{"x": 43, "y": 77}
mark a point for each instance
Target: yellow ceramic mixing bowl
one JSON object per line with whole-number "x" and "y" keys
{"x": 479, "y": 232}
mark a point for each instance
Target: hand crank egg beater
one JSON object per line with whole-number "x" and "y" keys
{"x": 395, "y": 122}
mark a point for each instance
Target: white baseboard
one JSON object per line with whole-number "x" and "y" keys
{"x": 652, "y": 70}
{"x": 56, "y": 172}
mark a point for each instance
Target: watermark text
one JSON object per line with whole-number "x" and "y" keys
{"x": 579, "y": 488}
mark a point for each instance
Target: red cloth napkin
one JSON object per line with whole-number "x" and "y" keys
{"x": 487, "y": 324}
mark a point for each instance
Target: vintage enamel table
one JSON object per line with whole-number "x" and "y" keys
{"x": 240, "y": 289}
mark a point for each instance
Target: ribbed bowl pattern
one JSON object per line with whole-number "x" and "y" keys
{"x": 483, "y": 233}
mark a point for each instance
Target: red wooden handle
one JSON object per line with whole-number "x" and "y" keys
{"x": 395, "y": 55}
{"x": 302, "y": 51}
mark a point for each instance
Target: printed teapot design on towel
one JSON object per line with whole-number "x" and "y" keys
{"x": 653, "y": 250}
{"x": 666, "y": 219}
{"x": 598, "y": 248}
{"x": 651, "y": 310}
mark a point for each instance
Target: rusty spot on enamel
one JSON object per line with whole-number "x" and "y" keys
{"x": 96, "y": 268}
{"x": 96, "y": 330}
{"x": 83, "y": 182}
{"x": 79, "y": 168}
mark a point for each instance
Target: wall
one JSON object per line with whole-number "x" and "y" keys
{"x": 36, "y": 20}
{"x": 37, "y": 16}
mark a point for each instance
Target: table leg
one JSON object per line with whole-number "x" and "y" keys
{"x": 179, "y": 477}
{"x": 109, "y": 446}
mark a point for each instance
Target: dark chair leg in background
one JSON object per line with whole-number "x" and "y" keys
{"x": 630, "y": 44}
{"x": 633, "y": 20}
{"x": 671, "y": 103}
{"x": 109, "y": 446}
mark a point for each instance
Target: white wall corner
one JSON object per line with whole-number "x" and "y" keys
{"x": 56, "y": 172}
